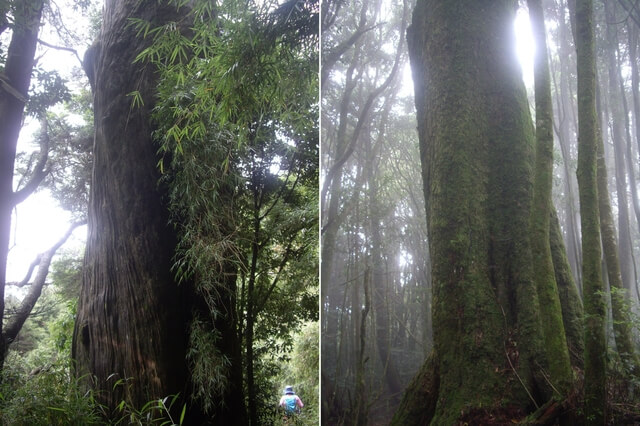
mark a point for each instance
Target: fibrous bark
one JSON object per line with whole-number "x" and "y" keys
{"x": 131, "y": 324}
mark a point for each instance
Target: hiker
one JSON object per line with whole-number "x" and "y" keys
{"x": 290, "y": 402}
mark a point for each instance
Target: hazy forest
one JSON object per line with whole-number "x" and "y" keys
{"x": 480, "y": 228}
{"x": 162, "y": 130}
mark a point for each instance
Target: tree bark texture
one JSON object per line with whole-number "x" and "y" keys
{"x": 477, "y": 153}
{"x": 593, "y": 289}
{"x": 130, "y": 324}
{"x": 14, "y": 84}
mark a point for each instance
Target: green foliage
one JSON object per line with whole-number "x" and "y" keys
{"x": 46, "y": 397}
{"x": 66, "y": 273}
{"x": 208, "y": 365}
{"x": 153, "y": 412}
{"x": 38, "y": 387}
{"x": 53, "y": 396}
{"x": 238, "y": 151}
{"x": 70, "y": 158}
{"x": 47, "y": 89}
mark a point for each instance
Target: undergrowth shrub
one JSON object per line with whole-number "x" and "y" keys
{"x": 45, "y": 396}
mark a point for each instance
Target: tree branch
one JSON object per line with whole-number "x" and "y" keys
{"x": 16, "y": 322}
{"x": 367, "y": 106}
{"x": 66, "y": 49}
{"x": 39, "y": 172}
{"x": 332, "y": 56}
{"x": 274, "y": 283}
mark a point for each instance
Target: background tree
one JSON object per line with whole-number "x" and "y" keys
{"x": 373, "y": 275}
{"x": 31, "y": 90}
{"x": 16, "y": 76}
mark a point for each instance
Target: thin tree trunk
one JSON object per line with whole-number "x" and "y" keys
{"x": 572, "y": 310}
{"x": 14, "y": 84}
{"x": 619, "y": 294}
{"x": 567, "y": 120}
{"x": 362, "y": 402}
{"x": 251, "y": 301}
{"x": 379, "y": 289}
{"x": 635, "y": 89}
{"x": 627, "y": 165}
{"x": 595, "y": 309}
{"x": 544, "y": 277}
{"x": 623, "y": 245}
{"x": 14, "y": 325}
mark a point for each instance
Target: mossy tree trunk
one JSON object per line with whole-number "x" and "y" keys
{"x": 570, "y": 301}
{"x": 544, "y": 274}
{"x": 477, "y": 152}
{"x": 617, "y": 252}
{"x": 619, "y": 294}
{"x": 593, "y": 289}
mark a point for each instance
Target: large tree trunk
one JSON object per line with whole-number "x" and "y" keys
{"x": 130, "y": 324}
{"x": 14, "y": 84}
{"x": 476, "y": 141}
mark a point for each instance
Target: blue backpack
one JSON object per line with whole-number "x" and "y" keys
{"x": 290, "y": 404}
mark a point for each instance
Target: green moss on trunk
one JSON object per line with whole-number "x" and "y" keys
{"x": 552, "y": 326}
{"x": 572, "y": 311}
{"x": 477, "y": 150}
{"x": 619, "y": 306}
{"x": 418, "y": 404}
{"x": 595, "y": 343}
